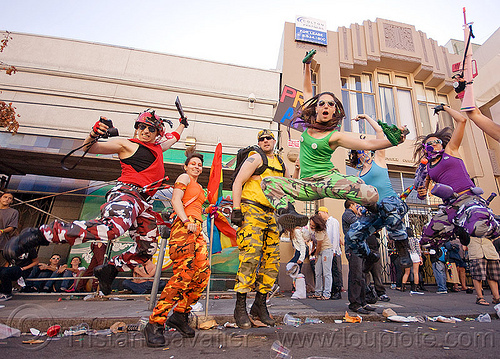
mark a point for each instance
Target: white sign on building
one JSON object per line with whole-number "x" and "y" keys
{"x": 310, "y": 30}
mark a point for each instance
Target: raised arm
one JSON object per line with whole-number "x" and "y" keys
{"x": 379, "y": 134}
{"x": 488, "y": 126}
{"x": 165, "y": 145}
{"x": 458, "y": 133}
{"x": 308, "y": 89}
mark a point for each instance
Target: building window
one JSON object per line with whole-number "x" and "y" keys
{"x": 427, "y": 100}
{"x": 358, "y": 98}
{"x": 396, "y": 102}
{"x": 314, "y": 82}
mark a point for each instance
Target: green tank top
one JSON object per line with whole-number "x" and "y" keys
{"x": 315, "y": 155}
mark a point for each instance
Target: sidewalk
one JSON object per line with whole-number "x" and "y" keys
{"x": 43, "y": 310}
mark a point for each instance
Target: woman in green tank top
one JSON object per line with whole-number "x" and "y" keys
{"x": 321, "y": 115}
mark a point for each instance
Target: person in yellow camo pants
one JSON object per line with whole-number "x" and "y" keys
{"x": 257, "y": 235}
{"x": 258, "y": 242}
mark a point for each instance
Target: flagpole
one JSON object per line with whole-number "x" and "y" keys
{"x": 210, "y": 262}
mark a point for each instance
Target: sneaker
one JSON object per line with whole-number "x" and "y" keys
{"x": 442, "y": 292}
{"x": 384, "y": 298}
{"x": 5, "y": 297}
{"x": 369, "y": 308}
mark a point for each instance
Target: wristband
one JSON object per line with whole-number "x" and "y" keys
{"x": 176, "y": 135}
{"x": 90, "y": 134}
{"x": 236, "y": 208}
{"x": 1, "y": 230}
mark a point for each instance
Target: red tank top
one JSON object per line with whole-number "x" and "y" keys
{"x": 193, "y": 209}
{"x": 154, "y": 172}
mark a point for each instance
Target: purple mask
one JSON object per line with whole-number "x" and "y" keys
{"x": 431, "y": 154}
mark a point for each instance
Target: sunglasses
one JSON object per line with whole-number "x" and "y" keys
{"x": 142, "y": 127}
{"x": 269, "y": 138}
{"x": 322, "y": 103}
{"x": 434, "y": 142}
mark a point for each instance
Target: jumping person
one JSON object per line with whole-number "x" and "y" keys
{"x": 189, "y": 255}
{"x": 390, "y": 208}
{"x": 141, "y": 159}
{"x": 321, "y": 115}
{"x": 464, "y": 214}
{"x": 257, "y": 235}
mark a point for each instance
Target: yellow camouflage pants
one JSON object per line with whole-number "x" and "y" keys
{"x": 188, "y": 252}
{"x": 259, "y": 255}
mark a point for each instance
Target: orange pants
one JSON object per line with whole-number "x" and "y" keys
{"x": 188, "y": 252}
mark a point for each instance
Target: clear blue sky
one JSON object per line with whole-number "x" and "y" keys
{"x": 246, "y": 33}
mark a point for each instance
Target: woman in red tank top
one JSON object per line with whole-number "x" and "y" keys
{"x": 188, "y": 252}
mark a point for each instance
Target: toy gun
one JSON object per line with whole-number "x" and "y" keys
{"x": 467, "y": 75}
{"x": 309, "y": 56}
{"x": 421, "y": 176}
{"x": 183, "y": 118}
{"x": 392, "y": 132}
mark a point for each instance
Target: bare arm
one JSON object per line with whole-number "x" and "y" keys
{"x": 379, "y": 134}
{"x": 355, "y": 143}
{"x": 490, "y": 127}
{"x": 169, "y": 143}
{"x": 247, "y": 169}
{"x": 458, "y": 133}
{"x": 308, "y": 89}
{"x": 33, "y": 263}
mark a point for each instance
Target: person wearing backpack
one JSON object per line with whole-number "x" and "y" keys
{"x": 257, "y": 235}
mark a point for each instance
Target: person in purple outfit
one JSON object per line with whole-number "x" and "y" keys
{"x": 465, "y": 213}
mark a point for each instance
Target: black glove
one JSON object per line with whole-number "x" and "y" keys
{"x": 438, "y": 108}
{"x": 184, "y": 121}
{"x": 237, "y": 217}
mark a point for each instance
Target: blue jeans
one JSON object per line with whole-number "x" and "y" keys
{"x": 390, "y": 214}
{"x": 439, "y": 270}
{"x": 141, "y": 288}
{"x": 324, "y": 270}
{"x": 36, "y": 272}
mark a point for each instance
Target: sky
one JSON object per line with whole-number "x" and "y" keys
{"x": 246, "y": 33}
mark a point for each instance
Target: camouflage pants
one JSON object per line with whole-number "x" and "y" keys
{"x": 124, "y": 210}
{"x": 258, "y": 244}
{"x": 469, "y": 212}
{"x": 280, "y": 190}
{"x": 188, "y": 252}
{"x": 390, "y": 214}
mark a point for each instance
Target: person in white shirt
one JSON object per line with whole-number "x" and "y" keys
{"x": 333, "y": 232}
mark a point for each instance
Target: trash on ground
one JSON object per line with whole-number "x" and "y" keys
{"x": 257, "y": 322}
{"x": 209, "y": 324}
{"x": 35, "y": 332}
{"x": 100, "y": 332}
{"x": 289, "y": 319}
{"x": 416, "y": 292}
{"x": 351, "y": 319}
{"x": 443, "y": 319}
{"x": 337, "y": 321}
{"x": 313, "y": 321}
{"x": 7, "y": 332}
{"x": 401, "y": 319}
{"x": 278, "y": 350}
{"x": 33, "y": 341}
{"x": 198, "y": 307}
{"x": 118, "y": 327}
{"x": 230, "y": 325}
{"x": 484, "y": 318}
{"x": 53, "y": 330}
{"x": 497, "y": 309}
{"x": 388, "y": 312}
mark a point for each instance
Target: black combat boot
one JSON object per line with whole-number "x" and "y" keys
{"x": 180, "y": 322}
{"x": 153, "y": 333}
{"x": 240, "y": 311}
{"x": 105, "y": 273}
{"x": 288, "y": 217}
{"x": 28, "y": 239}
{"x": 259, "y": 309}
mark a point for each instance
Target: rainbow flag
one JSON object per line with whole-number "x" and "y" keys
{"x": 224, "y": 235}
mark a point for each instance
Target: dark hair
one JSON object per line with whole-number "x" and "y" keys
{"x": 444, "y": 135}
{"x": 307, "y": 114}
{"x": 6, "y": 191}
{"x": 348, "y": 203}
{"x": 353, "y": 158}
{"x": 79, "y": 258}
{"x": 194, "y": 154}
{"x": 319, "y": 223}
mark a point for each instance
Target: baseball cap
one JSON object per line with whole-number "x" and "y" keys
{"x": 323, "y": 209}
{"x": 263, "y": 133}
